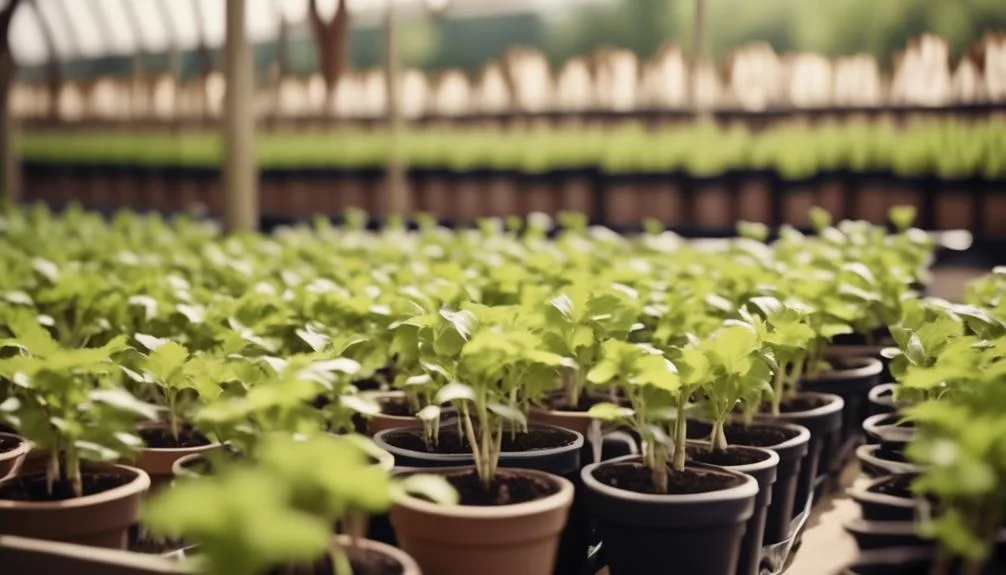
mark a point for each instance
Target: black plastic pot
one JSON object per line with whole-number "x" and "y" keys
{"x": 824, "y": 424}
{"x": 852, "y": 379}
{"x": 647, "y": 534}
{"x": 883, "y": 430}
{"x": 563, "y": 461}
{"x": 875, "y": 461}
{"x": 882, "y": 506}
{"x": 881, "y": 399}
{"x": 870, "y": 535}
{"x": 792, "y": 453}
{"x": 764, "y": 473}
{"x": 910, "y": 561}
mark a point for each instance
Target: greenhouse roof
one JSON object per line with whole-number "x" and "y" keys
{"x": 99, "y": 28}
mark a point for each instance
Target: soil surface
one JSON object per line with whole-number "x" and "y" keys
{"x": 734, "y": 455}
{"x": 537, "y": 438}
{"x": 890, "y": 455}
{"x": 506, "y": 489}
{"x": 558, "y": 402}
{"x": 161, "y": 438}
{"x": 396, "y": 406}
{"x": 9, "y": 444}
{"x": 896, "y": 486}
{"x": 638, "y": 478}
{"x": 758, "y": 435}
{"x": 894, "y": 420}
{"x": 798, "y": 404}
{"x": 7, "y": 429}
{"x": 33, "y": 487}
{"x": 140, "y": 541}
{"x": 362, "y": 561}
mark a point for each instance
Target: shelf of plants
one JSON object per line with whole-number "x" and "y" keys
{"x": 337, "y": 400}
{"x": 689, "y": 176}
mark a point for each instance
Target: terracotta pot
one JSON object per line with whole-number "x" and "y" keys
{"x": 409, "y": 565}
{"x": 101, "y": 520}
{"x": 35, "y": 461}
{"x": 159, "y": 462}
{"x": 501, "y": 540}
{"x": 11, "y": 460}
{"x": 380, "y": 422}
{"x": 577, "y": 421}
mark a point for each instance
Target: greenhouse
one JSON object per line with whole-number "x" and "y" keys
{"x": 467, "y": 287}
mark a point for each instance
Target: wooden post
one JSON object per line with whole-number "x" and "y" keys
{"x": 397, "y": 184}
{"x": 240, "y": 166}
{"x": 11, "y": 170}
{"x": 700, "y": 54}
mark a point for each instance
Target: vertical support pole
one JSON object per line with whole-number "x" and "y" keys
{"x": 240, "y": 166}
{"x": 700, "y": 54}
{"x": 397, "y": 183}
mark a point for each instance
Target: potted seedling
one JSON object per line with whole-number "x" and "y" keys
{"x": 739, "y": 373}
{"x": 661, "y": 505}
{"x": 277, "y": 515}
{"x": 65, "y": 403}
{"x": 486, "y": 356}
{"x": 178, "y": 383}
{"x": 576, "y": 323}
{"x": 796, "y": 334}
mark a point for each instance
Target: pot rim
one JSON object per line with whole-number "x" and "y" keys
{"x": 137, "y": 485}
{"x": 409, "y": 565}
{"x": 864, "y": 367}
{"x": 162, "y": 424}
{"x": 861, "y": 492}
{"x": 464, "y": 458}
{"x": 896, "y": 432}
{"x": 771, "y": 461}
{"x": 835, "y": 404}
{"x": 21, "y": 450}
{"x": 875, "y": 391}
{"x": 178, "y": 467}
{"x": 562, "y": 498}
{"x": 749, "y": 488}
{"x": 866, "y": 451}
{"x": 803, "y": 435}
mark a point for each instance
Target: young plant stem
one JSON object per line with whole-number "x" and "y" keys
{"x": 470, "y": 435}
{"x": 778, "y": 388}
{"x": 172, "y": 417}
{"x": 680, "y": 433}
{"x": 718, "y": 437}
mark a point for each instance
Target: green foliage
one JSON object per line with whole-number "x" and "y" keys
{"x": 67, "y": 400}
{"x": 280, "y": 510}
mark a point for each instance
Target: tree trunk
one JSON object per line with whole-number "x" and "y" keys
{"x": 331, "y": 39}
{"x": 240, "y": 169}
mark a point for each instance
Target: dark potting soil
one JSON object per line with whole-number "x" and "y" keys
{"x": 141, "y": 541}
{"x": 895, "y": 486}
{"x": 798, "y": 404}
{"x": 450, "y": 442}
{"x": 560, "y": 403}
{"x": 161, "y": 438}
{"x": 757, "y": 435}
{"x": 362, "y": 561}
{"x": 638, "y": 478}
{"x": 9, "y": 444}
{"x": 396, "y": 406}
{"x": 7, "y": 429}
{"x": 734, "y": 455}
{"x": 506, "y": 489}
{"x": 894, "y": 420}
{"x": 33, "y": 487}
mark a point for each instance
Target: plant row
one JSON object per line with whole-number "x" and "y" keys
{"x": 239, "y": 367}
{"x": 950, "y": 149}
